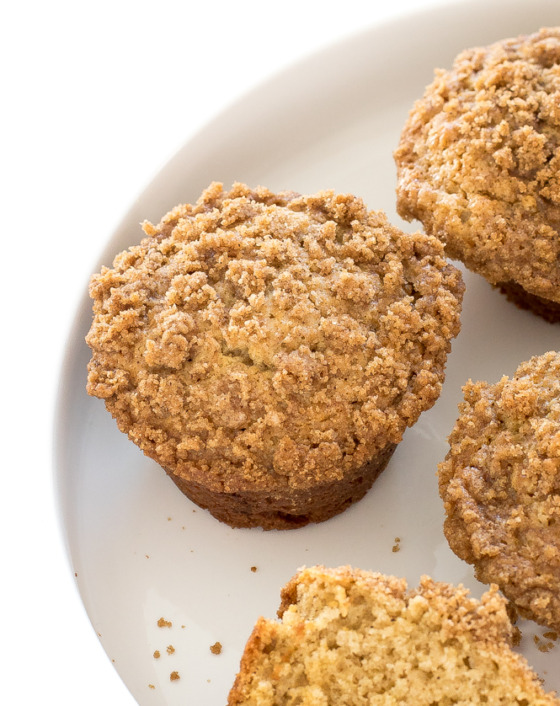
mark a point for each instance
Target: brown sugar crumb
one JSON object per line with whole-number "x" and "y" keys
{"x": 170, "y": 649}
{"x": 216, "y": 648}
{"x": 500, "y": 483}
{"x": 151, "y": 686}
{"x": 516, "y": 636}
{"x": 512, "y": 613}
{"x": 253, "y": 569}
{"x": 397, "y": 545}
{"x": 174, "y": 676}
{"x": 163, "y": 623}
{"x": 157, "y": 654}
{"x": 551, "y": 635}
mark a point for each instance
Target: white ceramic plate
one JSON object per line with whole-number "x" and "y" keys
{"x": 142, "y": 551}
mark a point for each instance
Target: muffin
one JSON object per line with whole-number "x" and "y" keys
{"x": 352, "y": 637}
{"x": 500, "y": 483}
{"x": 479, "y": 165}
{"x": 269, "y": 350}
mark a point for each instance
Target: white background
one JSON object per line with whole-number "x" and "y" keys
{"x": 96, "y": 98}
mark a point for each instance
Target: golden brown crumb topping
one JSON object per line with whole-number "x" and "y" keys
{"x": 501, "y": 486}
{"x": 479, "y": 161}
{"x": 271, "y": 338}
{"x": 353, "y": 637}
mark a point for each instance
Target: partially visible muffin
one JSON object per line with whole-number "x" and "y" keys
{"x": 500, "y": 483}
{"x": 479, "y": 165}
{"x": 269, "y": 350}
{"x": 358, "y": 638}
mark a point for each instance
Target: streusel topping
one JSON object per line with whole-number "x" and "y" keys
{"x": 255, "y": 338}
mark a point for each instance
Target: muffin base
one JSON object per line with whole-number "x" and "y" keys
{"x": 288, "y": 508}
{"x": 545, "y": 308}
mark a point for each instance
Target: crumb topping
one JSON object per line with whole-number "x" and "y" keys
{"x": 258, "y": 339}
{"x": 479, "y": 161}
{"x": 500, "y": 483}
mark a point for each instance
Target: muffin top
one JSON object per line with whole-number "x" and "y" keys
{"x": 501, "y": 486}
{"x": 255, "y": 338}
{"x": 479, "y": 161}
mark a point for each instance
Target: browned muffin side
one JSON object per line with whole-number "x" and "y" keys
{"x": 358, "y": 638}
{"x": 269, "y": 350}
{"x": 479, "y": 165}
{"x": 545, "y": 308}
{"x": 500, "y": 483}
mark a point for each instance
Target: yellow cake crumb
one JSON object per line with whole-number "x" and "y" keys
{"x": 357, "y": 638}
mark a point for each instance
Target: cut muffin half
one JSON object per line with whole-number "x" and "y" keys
{"x": 358, "y": 638}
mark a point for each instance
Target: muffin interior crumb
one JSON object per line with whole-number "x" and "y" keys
{"x": 346, "y": 637}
